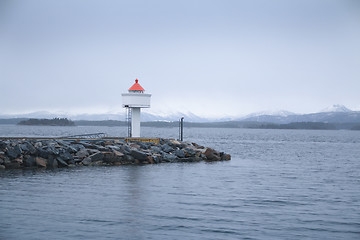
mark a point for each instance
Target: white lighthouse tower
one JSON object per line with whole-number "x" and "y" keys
{"x": 133, "y": 101}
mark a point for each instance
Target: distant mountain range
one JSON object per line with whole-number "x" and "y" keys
{"x": 333, "y": 114}
{"x": 145, "y": 117}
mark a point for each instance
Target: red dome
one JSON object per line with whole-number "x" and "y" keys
{"x": 136, "y": 87}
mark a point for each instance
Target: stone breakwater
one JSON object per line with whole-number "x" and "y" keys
{"x": 56, "y": 153}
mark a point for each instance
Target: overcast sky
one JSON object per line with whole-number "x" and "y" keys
{"x": 211, "y": 58}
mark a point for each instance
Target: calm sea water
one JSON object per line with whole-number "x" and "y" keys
{"x": 280, "y": 184}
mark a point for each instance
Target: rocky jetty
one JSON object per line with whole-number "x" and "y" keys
{"x": 56, "y": 153}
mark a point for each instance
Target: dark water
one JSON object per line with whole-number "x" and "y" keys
{"x": 280, "y": 184}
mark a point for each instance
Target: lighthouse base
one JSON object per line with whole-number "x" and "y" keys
{"x": 135, "y": 122}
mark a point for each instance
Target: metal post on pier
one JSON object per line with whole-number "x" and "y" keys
{"x": 181, "y": 129}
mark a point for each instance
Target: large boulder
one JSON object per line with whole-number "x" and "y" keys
{"x": 157, "y": 158}
{"x": 52, "y": 162}
{"x": 83, "y": 153}
{"x": 41, "y": 162}
{"x": 14, "y": 152}
{"x": 2, "y": 144}
{"x": 29, "y": 161}
{"x": 93, "y": 158}
{"x": 66, "y": 156}
{"x": 52, "y": 150}
{"x": 189, "y": 152}
{"x": 118, "y": 155}
{"x": 143, "y": 145}
{"x": 225, "y": 156}
{"x": 96, "y": 156}
{"x": 42, "y": 152}
{"x": 109, "y": 157}
{"x": 212, "y": 155}
{"x": 61, "y": 162}
{"x": 125, "y": 149}
{"x": 139, "y": 155}
{"x": 156, "y": 149}
{"x": 166, "y": 148}
{"x": 71, "y": 149}
{"x": 179, "y": 153}
{"x": 167, "y": 157}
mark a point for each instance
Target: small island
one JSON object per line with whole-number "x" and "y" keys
{"x": 47, "y": 122}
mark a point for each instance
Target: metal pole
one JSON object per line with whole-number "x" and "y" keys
{"x": 182, "y": 129}
{"x": 179, "y": 130}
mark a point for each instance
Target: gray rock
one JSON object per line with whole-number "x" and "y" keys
{"x": 76, "y": 160}
{"x": 166, "y": 148}
{"x": 86, "y": 161}
{"x": 167, "y": 157}
{"x": 189, "y": 152}
{"x": 78, "y": 147}
{"x": 92, "y": 151}
{"x": 27, "y": 147}
{"x": 93, "y": 158}
{"x": 157, "y": 158}
{"x": 2, "y": 144}
{"x": 42, "y": 152}
{"x": 125, "y": 149}
{"x": 29, "y": 161}
{"x": 11, "y": 164}
{"x": 62, "y": 143}
{"x": 87, "y": 145}
{"x": 143, "y": 145}
{"x": 41, "y": 162}
{"x": 66, "y": 156}
{"x": 116, "y": 148}
{"x": 96, "y": 156}
{"x": 71, "y": 149}
{"x": 225, "y": 156}
{"x": 212, "y": 155}
{"x": 82, "y": 153}
{"x": 24, "y": 147}
{"x": 119, "y": 156}
{"x": 138, "y": 155}
{"x": 14, "y": 152}
{"x": 129, "y": 159}
{"x": 52, "y": 162}
{"x": 109, "y": 157}
{"x": 101, "y": 148}
{"x": 156, "y": 149}
{"x": 61, "y": 162}
{"x": 52, "y": 150}
{"x": 179, "y": 153}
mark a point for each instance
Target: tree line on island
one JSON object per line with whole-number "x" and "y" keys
{"x": 48, "y": 122}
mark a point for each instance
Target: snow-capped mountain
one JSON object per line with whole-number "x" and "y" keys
{"x": 120, "y": 116}
{"x": 336, "y": 108}
{"x": 282, "y": 113}
{"x": 334, "y": 114}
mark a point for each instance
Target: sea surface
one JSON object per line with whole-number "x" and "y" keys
{"x": 280, "y": 184}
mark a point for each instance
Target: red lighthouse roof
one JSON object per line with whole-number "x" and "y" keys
{"x": 136, "y": 87}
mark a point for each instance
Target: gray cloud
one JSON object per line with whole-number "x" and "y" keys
{"x": 207, "y": 57}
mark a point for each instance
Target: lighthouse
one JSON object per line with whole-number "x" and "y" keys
{"x": 134, "y": 100}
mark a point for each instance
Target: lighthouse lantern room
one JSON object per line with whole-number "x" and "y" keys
{"x": 134, "y": 100}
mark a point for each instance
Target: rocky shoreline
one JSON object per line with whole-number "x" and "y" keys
{"x": 57, "y": 153}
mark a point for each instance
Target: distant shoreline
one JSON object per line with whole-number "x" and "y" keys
{"x": 165, "y": 124}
